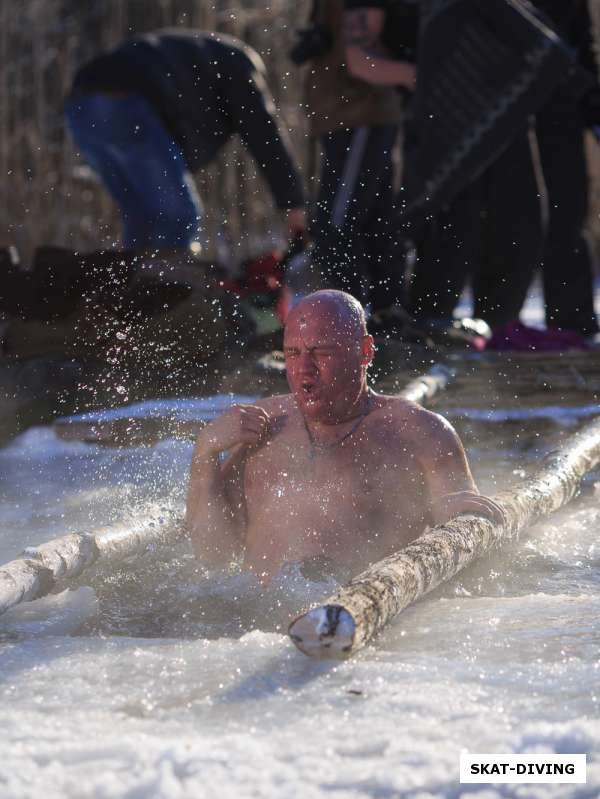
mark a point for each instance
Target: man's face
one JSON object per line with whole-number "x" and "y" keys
{"x": 326, "y": 363}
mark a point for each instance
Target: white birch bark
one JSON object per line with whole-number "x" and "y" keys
{"x": 40, "y": 569}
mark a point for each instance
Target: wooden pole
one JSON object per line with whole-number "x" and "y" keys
{"x": 41, "y": 568}
{"x": 351, "y": 618}
{"x": 425, "y": 387}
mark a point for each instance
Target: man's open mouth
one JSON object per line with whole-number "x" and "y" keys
{"x": 309, "y": 389}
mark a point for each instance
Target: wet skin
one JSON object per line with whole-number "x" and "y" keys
{"x": 355, "y": 502}
{"x": 331, "y": 469}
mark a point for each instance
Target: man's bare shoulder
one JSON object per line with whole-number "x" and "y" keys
{"x": 421, "y": 426}
{"x": 278, "y": 404}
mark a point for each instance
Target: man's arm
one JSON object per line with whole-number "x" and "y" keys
{"x": 251, "y": 106}
{"x": 448, "y": 477}
{"x": 214, "y": 503}
{"x": 365, "y": 55}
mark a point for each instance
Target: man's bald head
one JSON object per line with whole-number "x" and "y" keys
{"x": 345, "y": 312}
{"x": 327, "y": 353}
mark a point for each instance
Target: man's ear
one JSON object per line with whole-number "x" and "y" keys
{"x": 368, "y": 349}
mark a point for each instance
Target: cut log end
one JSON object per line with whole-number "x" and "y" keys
{"x": 325, "y": 632}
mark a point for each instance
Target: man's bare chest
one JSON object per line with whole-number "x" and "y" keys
{"x": 361, "y": 477}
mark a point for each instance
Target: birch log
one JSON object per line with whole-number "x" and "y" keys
{"x": 425, "y": 387}
{"x": 40, "y": 568}
{"x": 351, "y": 618}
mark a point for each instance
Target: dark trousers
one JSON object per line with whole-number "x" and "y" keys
{"x": 491, "y": 234}
{"x": 566, "y": 263}
{"x": 357, "y": 247}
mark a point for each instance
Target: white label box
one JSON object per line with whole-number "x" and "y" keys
{"x": 534, "y": 768}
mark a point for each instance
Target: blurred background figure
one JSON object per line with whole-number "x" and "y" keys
{"x": 567, "y": 270}
{"x": 489, "y": 234}
{"x": 161, "y": 105}
{"x": 485, "y": 189}
{"x": 360, "y": 52}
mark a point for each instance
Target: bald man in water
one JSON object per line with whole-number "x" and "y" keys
{"x": 332, "y": 470}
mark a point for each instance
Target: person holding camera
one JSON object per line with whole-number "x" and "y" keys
{"x": 360, "y": 53}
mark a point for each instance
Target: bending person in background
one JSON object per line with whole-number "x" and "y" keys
{"x": 355, "y": 112}
{"x": 332, "y": 469}
{"x": 161, "y": 105}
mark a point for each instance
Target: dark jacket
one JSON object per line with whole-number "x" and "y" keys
{"x": 571, "y": 20}
{"x": 206, "y": 87}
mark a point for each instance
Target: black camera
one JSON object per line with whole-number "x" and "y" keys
{"x": 312, "y": 42}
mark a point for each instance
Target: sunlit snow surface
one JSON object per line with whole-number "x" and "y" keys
{"x": 163, "y": 681}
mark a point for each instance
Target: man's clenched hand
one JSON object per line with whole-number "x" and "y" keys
{"x": 243, "y": 424}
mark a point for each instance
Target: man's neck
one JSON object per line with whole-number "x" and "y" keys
{"x": 359, "y": 408}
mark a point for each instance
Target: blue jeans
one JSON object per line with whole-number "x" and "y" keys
{"x": 125, "y": 142}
